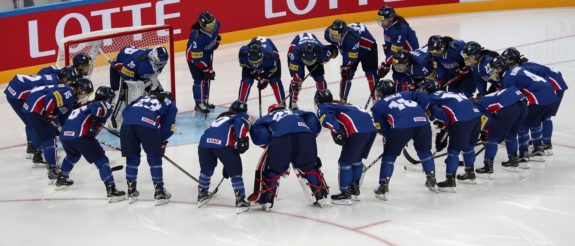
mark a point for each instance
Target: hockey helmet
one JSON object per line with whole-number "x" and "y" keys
{"x": 323, "y": 96}
{"x": 162, "y": 95}
{"x": 401, "y": 61}
{"x": 337, "y": 30}
{"x": 159, "y": 57}
{"x": 309, "y": 54}
{"x": 384, "y": 87}
{"x": 385, "y": 16}
{"x": 428, "y": 86}
{"x": 255, "y": 53}
{"x": 512, "y": 56}
{"x": 471, "y": 53}
{"x": 83, "y": 63}
{"x": 82, "y": 89}
{"x": 67, "y": 75}
{"x": 275, "y": 107}
{"x": 436, "y": 45}
{"x": 207, "y": 21}
{"x": 104, "y": 93}
{"x": 496, "y": 68}
{"x": 239, "y": 106}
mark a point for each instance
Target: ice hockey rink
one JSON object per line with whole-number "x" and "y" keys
{"x": 531, "y": 207}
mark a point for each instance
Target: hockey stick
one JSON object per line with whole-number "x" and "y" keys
{"x": 365, "y": 168}
{"x": 434, "y": 156}
{"x": 371, "y": 94}
{"x": 260, "y": 99}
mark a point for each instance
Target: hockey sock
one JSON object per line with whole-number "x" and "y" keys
{"x": 155, "y": 162}
{"x": 49, "y": 148}
{"x": 320, "y": 84}
{"x": 278, "y": 92}
{"x": 536, "y": 135}
{"x": 491, "y": 147}
{"x": 132, "y": 163}
{"x": 452, "y": 161}
{"x": 371, "y": 83}
{"x": 357, "y": 169}
{"x": 345, "y": 176}
{"x": 198, "y": 91}
{"x": 346, "y": 89}
{"x": 547, "y": 131}
{"x": 469, "y": 157}
{"x": 205, "y": 177}
{"x": 511, "y": 145}
{"x": 238, "y": 185}
{"x": 386, "y": 169}
{"x": 426, "y": 161}
{"x": 523, "y": 139}
{"x": 68, "y": 164}
{"x": 244, "y": 91}
{"x": 103, "y": 166}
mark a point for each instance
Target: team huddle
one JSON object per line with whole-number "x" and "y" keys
{"x": 473, "y": 95}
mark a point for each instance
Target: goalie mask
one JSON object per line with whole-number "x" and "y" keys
{"x": 158, "y": 56}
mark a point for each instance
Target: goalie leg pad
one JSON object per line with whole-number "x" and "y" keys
{"x": 314, "y": 180}
{"x": 258, "y": 178}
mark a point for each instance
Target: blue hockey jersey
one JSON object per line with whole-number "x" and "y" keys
{"x": 446, "y": 66}
{"x": 55, "y": 100}
{"x": 350, "y": 118}
{"x": 295, "y": 60}
{"x": 271, "y": 60}
{"x": 356, "y": 43}
{"x": 398, "y": 111}
{"x": 398, "y": 36}
{"x": 480, "y": 73}
{"x": 21, "y": 85}
{"x": 276, "y": 124}
{"x": 133, "y": 64}
{"x": 226, "y": 131}
{"x": 147, "y": 111}
{"x": 536, "y": 89}
{"x": 493, "y": 102}
{"x": 201, "y": 45}
{"x": 421, "y": 68}
{"x": 554, "y": 77}
{"x": 80, "y": 119}
{"x": 448, "y": 107}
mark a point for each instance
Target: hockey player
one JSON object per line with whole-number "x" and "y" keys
{"x": 203, "y": 41}
{"x": 397, "y": 35}
{"x": 356, "y": 45}
{"x": 554, "y": 77}
{"x": 290, "y": 138}
{"x": 81, "y": 62}
{"x": 410, "y": 68}
{"x": 46, "y": 108}
{"x": 452, "y": 73}
{"x": 307, "y": 51}
{"x": 541, "y": 99}
{"x": 507, "y": 109}
{"x": 352, "y": 128}
{"x": 462, "y": 122}
{"x": 134, "y": 72}
{"x": 18, "y": 90}
{"x": 260, "y": 61}
{"x": 225, "y": 140}
{"x": 148, "y": 122}
{"x": 78, "y": 138}
{"x": 399, "y": 119}
{"x": 478, "y": 58}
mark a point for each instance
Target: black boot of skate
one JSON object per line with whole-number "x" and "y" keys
{"x": 53, "y": 174}
{"x": 209, "y": 106}
{"x": 201, "y": 108}
{"x": 448, "y": 185}
{"x": 382, "y": 191}
{"x": 468, "y": 177}
{"x": 204, "y": 196}
{"x": 431, "y": 182}
{"x": 161, "y": 195}
{"x": 241, "y": 204}
{"x": 487, "y": 170}
{"x": 63, "y": 182}
{"x": 133, "y": 192}
{"x": 38, "y": 160}
{"x": 343, "y": 198}
{"x": 513, "y": 163}
{"x": 30, "y": 150}
{"x": 113, "y": 194}
{"x": 548, "y": 148}
{"x": 537, "y": 154}
{"x": 355, "y": 192}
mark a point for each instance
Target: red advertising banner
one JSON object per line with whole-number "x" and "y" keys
{"x": 31, "y": 38}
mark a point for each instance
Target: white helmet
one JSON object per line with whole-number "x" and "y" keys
{"x": 159, "y": 57}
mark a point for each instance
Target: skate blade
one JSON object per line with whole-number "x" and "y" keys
{"x": 447, "y": 189}
{"x": 205, "y": 201}
{"x": 537, "y": 159}
{"x": 355, "y": 198}
{"x": 161, "y": 202}
{"x": 548, "y": 152}
{"x": 116, "y": 199}
{"x": 485, "y": 175}
{"x": 267, "y": 207}
{"x": 523, "y": 165}
{"x": 61, "y": 187}
{"x": 468, "y": 181}
{"x": 433, "y": 189}
{"x": 413, "y": 168}
{"x": 511, "y": 169}
{"x": 241, "y": 210}
{"x": 382, "y": 197}
{"x": 132, "y": 199}
{"x": 321, "y": 203}
{"x": 346, "y": 202}
{"x": 52, "y": 182}
{"x": 39, "y": 165}
{"x": 29, "y": 156}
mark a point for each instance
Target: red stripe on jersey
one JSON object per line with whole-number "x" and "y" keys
{"x": 38, "y": 106}
{"x": 492, "y": 108}
{"x": 50, "y": 106}
{"x": 365, "y": 43}
{"x": 99, "y": 113}
{"x": 189, "y": 54}
{"x": 243, "y": 131}
{"x": 347, "y": 122}
{"x": 23, "y": 95}
{"x": 85, "y": 126}
{"x": 530, "y": 97}
{"x": 450, "y": 114}
{"x": 555, "y": 85}
{"x": 230, "y": 141}
{"x": 391, "y": 120}
{"x": 290, "y": 49}
{"x": 244, "y": 89}
{"x": 407, "y": 46}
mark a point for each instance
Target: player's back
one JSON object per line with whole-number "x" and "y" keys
{"x": 50, "y": 97}
{"x": 144, "y": 111}
{"x": 536, "y": 88}
{"x": 399, "y": 111}
{"x": 222, "y": 131}
{"x": 455, "y": 105}
{"x": 555, "y": 78}
{"x": 353, "y": 118}
{"x": 21, "y": 85}
{"x": 80, "y": 119}
{"x": 282, "y": 122}
{"x": 495, "y": 101}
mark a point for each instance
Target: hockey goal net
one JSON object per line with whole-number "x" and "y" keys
{"x": 103, "y": 46}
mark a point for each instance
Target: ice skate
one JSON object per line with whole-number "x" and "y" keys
{"x": 344, "y": 198}
{"x": 63, "y": 182}
{"x": 242, "y": 205}
{"x": 448, "y": 185}
{"x": 161, "y": 195}
{"x": 113, "y": 194}
{"x": 486, "y": 172}
{"x": 204, "y": 196}
{"x": 201, "y": 108}
{"x": 548, "y": 148}
{"x": 382, "y": 191}
{"x": 133, "y": 193}
{"x": 468, "y": 177}
{"x": 30, "y": 151}
{"x": 538, "y": 154}
{"x": 53, "y": 174}
{"x": 355, "y": 192}
{"x": 513, "y": 163}
{"x": 430, "y": 182}
{"x": 38, "y": 161}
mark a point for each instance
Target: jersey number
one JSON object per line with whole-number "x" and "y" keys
{"x": 76, "y": 112}
{"x": 149, "y": 103}
{"x": 402, "y": 103}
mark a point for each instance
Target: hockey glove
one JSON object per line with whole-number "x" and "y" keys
{"x": 263, "y": 83}
{"x": 295, "y": 85}
{"x": 441, "y": 140}
{"x": 345, "y": 71}
{"x": 218, "y": 40}
{"x": 332, "y": 51}
{"x": 94, "y": 129}
{"x": 484, "y": 135}
{"x": 383, "y": 70}
{"x": 242, "y": 145}
{"x": 209, "y": 73}
{"x": 318, "y": 163}
{"x": 163, "y": 147}
{"x": 339, "y": 137}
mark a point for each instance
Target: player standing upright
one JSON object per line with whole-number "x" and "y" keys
{"x": 203, "y": 41}
{"x": 260, "y": 60}
{"x": 410, "y": 68}
{"x": 134, "y": 72}
{"x": 352, "y": 128}
{"x": 397, "y": 36}
{"x": 78, "y": 138}
{"x": 356, "y": 45}
{"x": 452, "y": 73}
{"x": 148, "y": 122}
{"x": 307, "y": 51}
{"x": 225, "y": 140}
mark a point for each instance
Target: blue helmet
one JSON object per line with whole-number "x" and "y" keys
{"x": 384, "y": 87}
{"x": 104, "y": 93}
{"x": 323, "y": 96}
{"x": 239, "y": 106}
